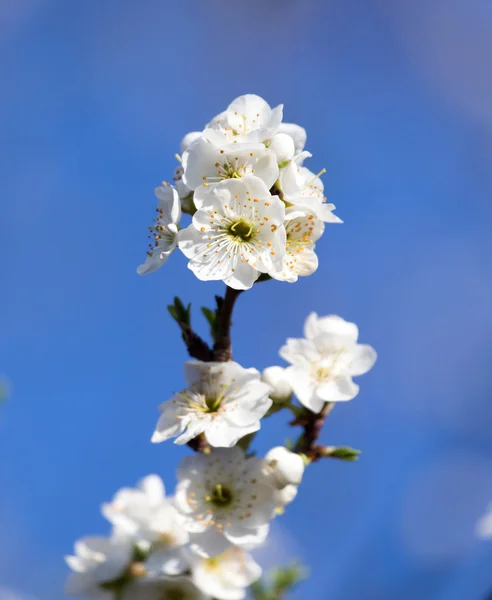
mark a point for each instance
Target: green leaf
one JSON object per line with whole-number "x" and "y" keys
{"x": 211, "y": 317}
{"x": 342, "y": 453}
{"x": 179, "y": 312}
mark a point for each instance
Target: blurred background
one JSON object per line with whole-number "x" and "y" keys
{"x": 396, "y": 97}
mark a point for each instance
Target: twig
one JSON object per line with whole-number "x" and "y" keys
{"x": 222, "y": 350}
{"x": 312, "y": 425}
{"x": 197, "y": 348}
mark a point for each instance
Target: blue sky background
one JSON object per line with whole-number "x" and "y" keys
{"x": 396, "y": 97}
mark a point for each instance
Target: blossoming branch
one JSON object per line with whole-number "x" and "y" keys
{"x": 243, "y": 209}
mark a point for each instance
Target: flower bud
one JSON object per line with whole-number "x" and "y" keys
{"x": 286, "y": 495}
{"x": 188, "y": 139}
{"x": 283, "y": 146}
{"x": 284, "y": 467}
{"x": 275, "y": 378}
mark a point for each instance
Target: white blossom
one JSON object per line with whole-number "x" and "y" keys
{"x": 225, "y": 499}
{"x": 276, "y": 379}
{"x": 247, "y": 119}
{"x": 225, "y": 577}
{"x": 151, "y": 520}
{"x": 205, "y": 165}
{"x": 237, "y": 234}
{"x": 224, "y": 401}
{"x": 301, "y": 187}
{"x": 283, "y": 146}
{"x": 164, "y": 232}
{"x": 303, "y": 228}
{"x": 283, "y": 467}
{"x": 296, "y": 133}
{"x": 323, "y": 364}
{"x": 163, "y": 588}
{"x": 97, "y": 560}
{"x": 284, "y": 470}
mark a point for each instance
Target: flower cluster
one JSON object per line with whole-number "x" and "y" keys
{"x": 193, "y": 545}
{"x": 256, "y": 209}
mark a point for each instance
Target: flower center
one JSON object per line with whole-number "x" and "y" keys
{"x": 322, "y": 373}
{"x": 213, "y": 403}
{"x": 241, "y": 229}
{"x": 231, "y": 172}
{"x": 220, "y": 497}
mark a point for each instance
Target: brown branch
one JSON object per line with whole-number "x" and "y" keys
{"x": 197, "y": 348}
{"x": 222, "y": 350}
{"x": 312, "y": 425}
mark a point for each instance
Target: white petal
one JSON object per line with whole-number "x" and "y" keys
{"x": 297, "y": 133}
{"x": 339, "y": 389}
{"x": 153, "y": 488}
{"x": 286, "y": 495}
{"x": 243, "y": 277}
{"x": 281, "y": 389}
{"x": 168, "y": 425}
{"x": 332, "y": 324}
{"x": 287, "y": 467}
{"x": 198, "y": 163}
{"x": 246, "y": 402}
{"x": 250, "y": 105}
{"x": 299, "y": 352}
{"x": 229, "y": 575}
{"x": 167, "y": 561}
{"x": 188, "y": 139}
{"x": 195, "y": 428}
{"x": 223, "y": 434}
{"x": 283, "y": 147}
{"x": 364, "y": 357}
{"x": 247, "y": 538}
{"x": 169, "y": 203}
{"x": 304, "y": 388}
{"x": 159, "y": 256}
{"x": 209, "y": 543}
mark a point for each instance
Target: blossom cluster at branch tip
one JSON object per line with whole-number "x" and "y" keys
{"x": 256, "y": 209}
